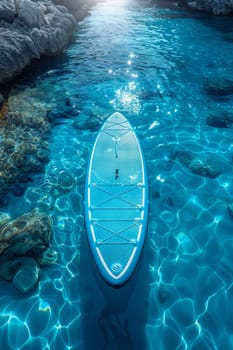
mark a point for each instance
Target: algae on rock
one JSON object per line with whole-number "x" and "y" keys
{"x": 24, "y": 242}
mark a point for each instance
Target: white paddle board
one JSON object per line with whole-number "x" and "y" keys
{"x": 116, "y": 203}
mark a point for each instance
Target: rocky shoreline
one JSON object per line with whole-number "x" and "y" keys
{"x": 29, "y": 29}
{"x": 216, "y": 7}
{"x": 35, "y": 28}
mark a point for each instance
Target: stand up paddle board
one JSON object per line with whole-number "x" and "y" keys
{"x": 116, "y": 204}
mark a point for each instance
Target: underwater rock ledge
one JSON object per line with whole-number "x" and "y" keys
{"x": 24, "y": 247}
{"x": 24, "y": 134}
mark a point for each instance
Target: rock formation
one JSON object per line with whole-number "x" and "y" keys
{"x": 31, "y": 231}
{"x": 217, "y": 7}
{"x": 24, "y": 246}
{"x": 79, "y": 8}
{"x": 218, "y": 86}
{"x": 221, "y": 119}
{"x": 30, "y": 29}
{"x": 197, "y": 165}
{"x": 24, "y": 134}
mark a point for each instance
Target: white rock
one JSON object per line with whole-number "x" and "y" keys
{"x": 7, "y": 10}
{"x": 37, "y": 28}
{"x": 30, "y": 13}
{"x": 16, "y": 51}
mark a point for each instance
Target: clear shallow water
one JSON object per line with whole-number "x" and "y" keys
{"x": 150, "y": 64}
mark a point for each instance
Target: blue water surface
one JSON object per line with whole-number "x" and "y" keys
{"x": 151, "y": 64}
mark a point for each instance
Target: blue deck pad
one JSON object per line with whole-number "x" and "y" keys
{"x": 116, "y": 200}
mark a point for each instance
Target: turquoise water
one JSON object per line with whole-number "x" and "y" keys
{"x": 151, "y": 64}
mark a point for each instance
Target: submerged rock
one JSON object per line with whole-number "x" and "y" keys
{"x": 48, "y": 257}
{"x": 4, "y": 200}
{"x": 18, "y": 189}
{"x": 7, "y": 269}
{"x": 24, "y": 246}
{"x": 65, "y": 180}
{"x": 29, "y": 29}
{"x": 60, "y": 178}
{"x": 28, "y": 233}
{"x": 219, "y": 86}
{"x": 4, "y": 218}
{"x": 196, "y": 165}
{"x": 24, "y": 133}
{"x": 220, "y": 119}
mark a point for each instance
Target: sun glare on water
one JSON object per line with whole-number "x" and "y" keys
{"x": 116, "y": 2}
{"x": 113, "y": 4}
